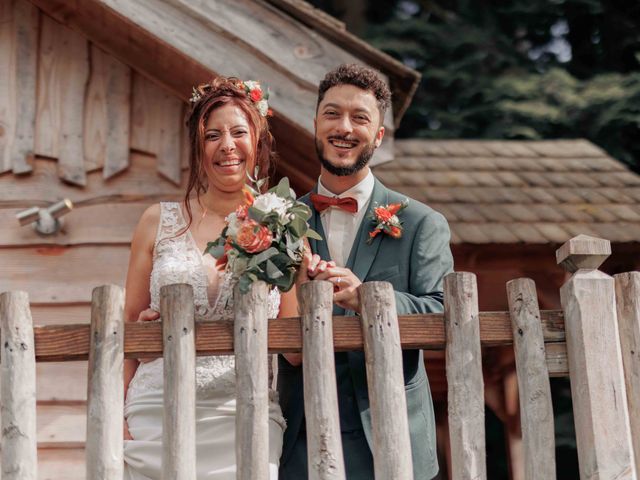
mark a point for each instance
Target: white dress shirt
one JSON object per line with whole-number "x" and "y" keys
{"x": 340, "y": 227}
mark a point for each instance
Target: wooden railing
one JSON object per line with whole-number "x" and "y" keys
{"x": 595, "y": 340}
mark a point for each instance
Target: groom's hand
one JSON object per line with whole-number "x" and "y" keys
{"x": 345, "y": 284}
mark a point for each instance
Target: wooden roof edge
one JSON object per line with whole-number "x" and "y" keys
{"x": 403, "y": 80}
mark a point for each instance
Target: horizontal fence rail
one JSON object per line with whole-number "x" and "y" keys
{"x": 601, "y": 317}
{"x": 56, "y": 343}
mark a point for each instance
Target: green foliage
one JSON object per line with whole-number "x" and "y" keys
{"x": 264, "y": 241}
{"x": 517, "y": 69}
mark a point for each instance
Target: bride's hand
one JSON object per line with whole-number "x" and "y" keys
{"x": 147, "y": 315}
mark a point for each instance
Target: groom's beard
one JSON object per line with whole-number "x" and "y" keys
{"x": 359, "y": 164}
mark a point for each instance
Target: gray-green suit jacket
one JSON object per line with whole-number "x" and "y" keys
{"x": 415, "y": 265}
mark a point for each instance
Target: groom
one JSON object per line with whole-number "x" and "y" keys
{"x": 352, "y": 101}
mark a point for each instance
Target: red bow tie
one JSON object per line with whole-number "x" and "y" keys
{"x": 322, "y": 202}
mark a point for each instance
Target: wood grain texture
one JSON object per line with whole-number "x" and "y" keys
{"x": 140, "y": 183}
{"x": 107, "y": 114}
{"x": 583, "y": 252}
{"x": 144, "y": 340}
{"x": 48, "y": 108}
{"x": 73, "y": 53}
{"x": 404, "y": 81}
{"x": 52, "y": 274}
{"x": 63, "y": 72}
{"x": 628, "y": 309}
{"x": 220, "y": 51}
{"x": 18, "y": 57}
{"x": 59, "y": 382}
{"x": 464, "y": 377}
{"x": 595, "y": 361}
{"x": 18, "y": 383}
{"x": 324, "y": 442}
{"x": 557, "y": 359}
{"x": 111, "y": 223}
{"x": 63, "y": 426}
{"x": 57, "y": 463}
{"x": 52, "y": 314}
{"x": 179, "y": 413}
{"x": 157, "y": 126}
{"x": 385, "y": 382}
{"x": 105, "y": 403}
{"x": 536, "y": 409}
{"x": 252, "y": 379}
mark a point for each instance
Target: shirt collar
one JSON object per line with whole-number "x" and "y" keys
{"x": 361, "y": 192}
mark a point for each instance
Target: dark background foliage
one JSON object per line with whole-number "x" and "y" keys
{"x": 519, "y": 69}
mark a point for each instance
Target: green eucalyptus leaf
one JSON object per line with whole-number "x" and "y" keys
{"x": 282, "y": 190}
{"x": 263, "y": 256}
{"x": 273, "y": 272}
{"x": 215, "y": 249}
{"x": 256, "y": 214}
{"x": 298, "y": 227}
{"x": 311, "y": 233}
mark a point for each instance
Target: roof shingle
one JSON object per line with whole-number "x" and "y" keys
{"x": 519, "y": 191}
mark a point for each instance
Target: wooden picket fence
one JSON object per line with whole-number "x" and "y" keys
{"x": 595, "y": 340}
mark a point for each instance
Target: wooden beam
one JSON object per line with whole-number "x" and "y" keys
{"x": 18, "y": 57}
{"x": 140, "y": 183}
{"x": 403, "y": 80}
{"x": 111, "y": 223}
{"x": 182, "y": 43}
{"x": 157, "y": 126}
{"x": 63, "y": 72}
{"x": 144, "y": 340}
{"x": 107, "y": 114}
{"x": 54, "y": 274}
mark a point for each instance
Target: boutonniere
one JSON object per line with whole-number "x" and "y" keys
{"x": 385, "y": 219}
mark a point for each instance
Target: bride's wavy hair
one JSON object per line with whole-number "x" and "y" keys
{"x": 207, "y": 98}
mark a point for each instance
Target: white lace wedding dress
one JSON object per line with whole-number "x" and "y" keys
{"x": 176, "y": 259}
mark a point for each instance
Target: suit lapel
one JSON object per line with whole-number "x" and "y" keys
{"x": 362, "y": 253}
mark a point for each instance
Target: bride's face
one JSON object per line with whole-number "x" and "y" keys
{"x": 228, "y": 149}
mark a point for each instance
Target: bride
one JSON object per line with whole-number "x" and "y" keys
{"x": 228, "y": 136}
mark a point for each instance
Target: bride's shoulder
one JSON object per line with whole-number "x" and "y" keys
{"x": 149, "y": 221}
{"x": 151, "y": 216}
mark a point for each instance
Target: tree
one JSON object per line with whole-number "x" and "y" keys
{"x": 521, "y": 69}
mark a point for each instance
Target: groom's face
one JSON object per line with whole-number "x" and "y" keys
{"x": 348, "y": 129}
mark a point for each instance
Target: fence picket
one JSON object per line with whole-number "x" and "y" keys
{"x": 385, "y": 379}
{"x": 603, "y": 436}
{"x": 628, "y": 309}
{"x": 18, "y": 396}
{"x": 536, "y": 409}
{"x": 464, "y": 377}
{"x": 105, "y": 396}
{"x": 179, "y": 423}
{"x": 324, "y": 442}
{"x": 252, "y": 381}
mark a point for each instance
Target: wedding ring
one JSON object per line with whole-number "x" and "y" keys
{"x": 339, "y": 280}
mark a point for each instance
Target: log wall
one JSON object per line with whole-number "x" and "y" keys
{"x": 77, "y": 123}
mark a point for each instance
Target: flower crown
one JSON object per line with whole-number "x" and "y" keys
{"x": 252, "y": 89}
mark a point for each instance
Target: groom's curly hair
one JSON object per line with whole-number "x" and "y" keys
{"x": 358, "y": 76}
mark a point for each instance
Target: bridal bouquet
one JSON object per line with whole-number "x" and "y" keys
{"x": 264, "y": 238}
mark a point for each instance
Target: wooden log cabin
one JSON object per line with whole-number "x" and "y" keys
{"x": 92, "y": 103}
{"x": 92, "y": 99}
